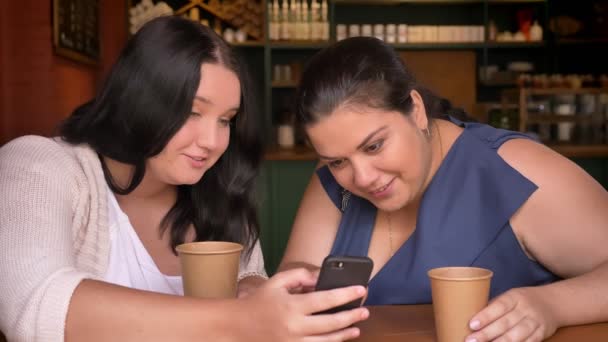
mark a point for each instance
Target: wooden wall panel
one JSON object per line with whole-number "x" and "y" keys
{"x": 39, "y": 88}
{"x": 450, "y": 74}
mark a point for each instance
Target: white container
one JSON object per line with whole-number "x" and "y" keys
{"x": 536, "y": 32}
{"x": 341, "y": 32}
{"x": 285, "y": 136}
{"x": 354, "y": 30}
{"x": 402, "y": 33}
{"x": 414, "y": 33}
{"x": 391, "y": 33}
{"x": 366, "y": 30}
{"x": 379, "y": 31}
{"x": 565, "y": 105}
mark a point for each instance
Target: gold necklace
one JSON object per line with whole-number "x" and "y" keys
{"x": 390, "y": 235}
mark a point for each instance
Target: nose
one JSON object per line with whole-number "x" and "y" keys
{"x": 364, "y": 174}
{"x": 207, "y": 135}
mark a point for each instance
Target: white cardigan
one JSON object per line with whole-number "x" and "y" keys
{"x": 53, "y": 234}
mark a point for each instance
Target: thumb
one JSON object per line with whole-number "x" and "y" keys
{"x": 293, "y": 279}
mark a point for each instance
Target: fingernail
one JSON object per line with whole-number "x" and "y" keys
{"x": 471, "y": 339}
{"x": 365, "y": 314}
{"x": 474, "y": 325}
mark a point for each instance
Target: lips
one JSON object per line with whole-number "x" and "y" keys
{"x": 380, "y": 189}
{"x": 196, "y": 157}
{"x": 197, "y": 161}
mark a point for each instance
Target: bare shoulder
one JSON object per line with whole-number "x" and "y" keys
{"x": 545, "y": 167}
{"x": 563, "y": 223}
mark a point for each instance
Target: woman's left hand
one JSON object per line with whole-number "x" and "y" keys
{"x": 521, "y": 314}
{"x": 248, "y": 285}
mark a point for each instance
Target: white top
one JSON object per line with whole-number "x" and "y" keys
{"x": 130, "y": 264}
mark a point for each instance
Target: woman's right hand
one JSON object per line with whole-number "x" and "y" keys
{"x": 280, "y": 313}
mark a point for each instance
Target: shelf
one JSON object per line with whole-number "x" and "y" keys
{"x": 514, "y": 45}
{"x": 516, "y": 1}
{"x": 581, "y": 151}
{"x": 553, "y": 118}
{"x": 581, "y": 41}
{"x": 295, "y": 44}
{"x": 249, "y": 43}
{"x": 397, "y": 2}
{"x": 560, "y": 91}
{"x": 497, "y": 83}
{"x": 437, "y": 46}
{"x": 285, "y": 84}
{"x": 295, "y": 153}
{"x": 431, "y": 2}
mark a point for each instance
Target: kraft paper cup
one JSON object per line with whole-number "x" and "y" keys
{"x": 458, "y": 294}
{"x": 210, "y": 268}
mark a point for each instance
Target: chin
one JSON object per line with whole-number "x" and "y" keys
{"x": 191, "y": 180}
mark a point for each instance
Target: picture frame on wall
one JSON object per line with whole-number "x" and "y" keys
{"x": 76, "y": 30}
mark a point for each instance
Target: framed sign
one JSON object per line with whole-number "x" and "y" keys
{"x": 76, "y": 29}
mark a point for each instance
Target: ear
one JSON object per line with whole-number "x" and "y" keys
{"x": 418, "y": 113}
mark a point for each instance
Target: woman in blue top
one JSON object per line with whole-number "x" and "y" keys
{"x": 409, "y": 185}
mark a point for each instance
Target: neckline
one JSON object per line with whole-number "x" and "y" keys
{"x": 440, "y": 170}
{"x": 148, "y": 262}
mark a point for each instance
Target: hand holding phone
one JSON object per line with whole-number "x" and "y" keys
{"x": 342, "y": 271}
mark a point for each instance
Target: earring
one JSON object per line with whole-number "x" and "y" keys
{"x": 427, "y": 132}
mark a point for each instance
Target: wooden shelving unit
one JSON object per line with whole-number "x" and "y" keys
{"x": 215, "y": 8}
{"x": 583, "y": 150}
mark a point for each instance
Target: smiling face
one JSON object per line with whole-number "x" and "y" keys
{"x": 202, "y": 140}
{"x": 382, "y": 156}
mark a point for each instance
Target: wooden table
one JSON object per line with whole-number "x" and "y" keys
{"x": 414, "y": 323}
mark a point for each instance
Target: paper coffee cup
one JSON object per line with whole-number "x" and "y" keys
{"x": 458, "y": 294}
{"x": 210, "y": 268}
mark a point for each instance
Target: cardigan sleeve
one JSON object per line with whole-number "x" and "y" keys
{"x": 255, "y": 265}
{"x": 38, "y": 273}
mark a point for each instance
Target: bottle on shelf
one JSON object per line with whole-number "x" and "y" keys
{"x": 274, "y": 24}
{"x": 492, "y": 31}
{"x": 284, "y": 20}
{"x": 324, "y": 21}
{"x": 536, "y": 32}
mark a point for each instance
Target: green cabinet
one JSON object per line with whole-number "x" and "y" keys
{"x": 596, "y": 167}
{"x": 281, "y": 185}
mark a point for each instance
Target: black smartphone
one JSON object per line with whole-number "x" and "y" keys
{"x": 341, "y": 271}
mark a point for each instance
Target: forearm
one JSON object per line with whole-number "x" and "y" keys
{"x": 581, "y": 299}
{"x": 104, "y": 312}
{"x": 288, "y": 265}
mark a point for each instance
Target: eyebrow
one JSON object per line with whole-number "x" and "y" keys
{"x": 207, "y": 101}
{"x": 362, "y": 144}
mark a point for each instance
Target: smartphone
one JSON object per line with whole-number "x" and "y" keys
{"x": 341, "y": 271}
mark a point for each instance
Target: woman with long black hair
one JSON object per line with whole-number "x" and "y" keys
{"x": 166, "y": 153}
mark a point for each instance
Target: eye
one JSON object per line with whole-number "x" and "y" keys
{"x": 336, "y": 164}
{"x": 195, "y": 114}
{"x": 375, "y": 147}
{"x": 225, "y": 122}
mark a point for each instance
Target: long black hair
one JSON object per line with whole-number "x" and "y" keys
{"x": 362, "y": 71}
{"x": 146, "y": 98}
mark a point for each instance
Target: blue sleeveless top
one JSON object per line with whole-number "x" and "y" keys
{"x": 463, "y": 220}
